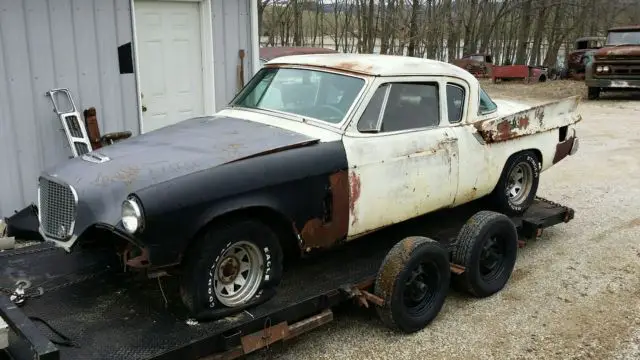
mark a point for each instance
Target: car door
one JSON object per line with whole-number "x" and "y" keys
{"x": 403, "y": 160}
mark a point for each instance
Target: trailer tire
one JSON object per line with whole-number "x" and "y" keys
{"x": 526, "y": 164}
{"x": 486, "y": 234}
{"x": 413, "y": 281}
{"x": 246, "y": 249}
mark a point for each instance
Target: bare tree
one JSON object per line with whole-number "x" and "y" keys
{"x": 520, "y": 31}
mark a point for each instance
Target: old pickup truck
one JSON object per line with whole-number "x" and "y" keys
{"x": 615, "y": 66}
{"x": 315, "y": 151}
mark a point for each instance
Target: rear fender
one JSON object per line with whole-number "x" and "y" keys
{"x": 530, "y": 121}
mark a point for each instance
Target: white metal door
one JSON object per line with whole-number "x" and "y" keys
{"x": 407, "y": 171}
{"x": 170, "y": 61}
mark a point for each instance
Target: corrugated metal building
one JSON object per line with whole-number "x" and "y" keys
{"x": 172, "y": 59}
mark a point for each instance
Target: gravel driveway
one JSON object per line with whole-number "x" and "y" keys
{"x": 575, "y": 293}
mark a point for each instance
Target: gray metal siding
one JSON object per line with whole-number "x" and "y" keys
{"x": 46, "y": 44}
{"x": 231, "y": 32}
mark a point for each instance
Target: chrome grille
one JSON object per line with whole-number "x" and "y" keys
{"x": 81, "y": 148}
{"x": 74, "y": 126}
{"x": 56, "y": 209}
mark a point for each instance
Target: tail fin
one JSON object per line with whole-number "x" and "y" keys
{"x": 530, "y": 121}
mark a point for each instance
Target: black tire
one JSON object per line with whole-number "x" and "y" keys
{"x": 429, "y": 289}
{"x": 529, "y": 163}
{"x": 593, "y": 93}
{"x": 209, "y": 252}
{"x": 482, "y": 276}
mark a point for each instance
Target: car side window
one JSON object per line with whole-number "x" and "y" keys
{"x": 455, "y": 102}
{"x": 403, "y": 106}
{"x": 486, "y": 104}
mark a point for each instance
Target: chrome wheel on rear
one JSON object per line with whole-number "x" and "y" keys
{"x": 520, "y": 182}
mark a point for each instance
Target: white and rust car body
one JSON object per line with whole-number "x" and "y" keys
{"x": 398, "y": 175}
{"x": 334, "y": 177}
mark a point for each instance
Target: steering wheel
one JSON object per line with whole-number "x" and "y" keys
{"x": 335, "y": 109}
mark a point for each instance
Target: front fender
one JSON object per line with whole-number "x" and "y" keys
{"x": 237, "y": 205}
{"x": 292, "y": 183}
{"x": 167, "y": 237}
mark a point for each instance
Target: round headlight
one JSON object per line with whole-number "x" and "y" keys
{"x": 131, "y": 216}
{"x": 606, "y": 68}
{"x": 599, "y": 69}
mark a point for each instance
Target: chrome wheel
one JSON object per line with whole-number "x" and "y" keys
{"x": 238, "y": 274}
{"x": 520, "y": 183}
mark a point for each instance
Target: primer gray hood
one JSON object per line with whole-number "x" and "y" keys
{"x": 161, "y": 155}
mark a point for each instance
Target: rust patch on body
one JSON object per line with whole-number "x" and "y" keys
{"x": 354, "y": 195}
{"x": 350, "y": 67}
{"x": 126, "y": 175}
{"x": 353, "y": 66}
{"x": 317, "y": 233}
{"x": 415, "y": 149}
{"x": 539, "y": 114}
{"x": 563, "y": 149}
{"x": 506, "y": 128}
{"x": 627, "y": 50}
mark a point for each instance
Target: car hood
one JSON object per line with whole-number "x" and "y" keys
{"x": 177, "y": 150}
{"x": 622, "y": 50}
{"x": 102, "y": 179}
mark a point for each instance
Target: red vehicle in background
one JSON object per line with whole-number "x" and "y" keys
{"x": 481, "y": 66}
{"x": 525, "y": 73}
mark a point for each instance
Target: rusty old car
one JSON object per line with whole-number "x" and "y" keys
{"x": 480, "y": 65}
{"x": 315, "y": 151}
{"x": 615, "y": 66}
{"x": 582, "y": 54}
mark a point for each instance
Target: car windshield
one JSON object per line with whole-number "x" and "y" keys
{"x": 309, "y": 93}
{"x": 478, "y": 58}
{"x": 623, "y": 38}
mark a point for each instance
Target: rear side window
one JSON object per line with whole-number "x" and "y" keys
{"x": 455, "y": 102}
{"x": 486, "y": 104}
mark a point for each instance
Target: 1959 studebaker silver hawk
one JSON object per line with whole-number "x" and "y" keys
{"x": 316, "y": 150}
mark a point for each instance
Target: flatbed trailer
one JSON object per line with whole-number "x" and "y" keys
{"x": 86, "y": 309}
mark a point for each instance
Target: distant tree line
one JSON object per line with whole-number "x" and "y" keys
{"x": 513, "y": 31}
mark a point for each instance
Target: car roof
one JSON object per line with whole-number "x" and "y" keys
{"x": 626, "y": 27}
{"x": 590, "y": 38}
{"x": 272, "y": 52}
{"x": 377, "y": 65}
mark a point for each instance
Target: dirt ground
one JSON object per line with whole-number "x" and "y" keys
{"x": 575, "y": 293}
